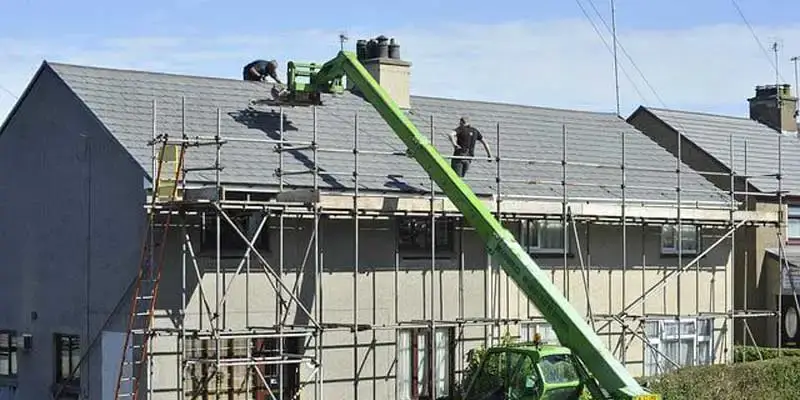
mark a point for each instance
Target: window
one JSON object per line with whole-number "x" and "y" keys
{"x": 230, "y": 240}
{"x": 234, "y": 377}
{"x": 793, "y": 229}
{"x": 67, "y": 358}
{"x": 8, "y": 354}
{"x": 270, "y": 348}
{"x": 542, "y": 236}
{"x": 669, "y": 239}
{"x": 415, "y": 235}
{"x": 528, "y": 329}
{"x": 686, "y": 342}
{"x": 415, "y": 366}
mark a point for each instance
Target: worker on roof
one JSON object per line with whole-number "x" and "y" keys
{"x": 259, "y": 70}
{"x": 463, "y": 139}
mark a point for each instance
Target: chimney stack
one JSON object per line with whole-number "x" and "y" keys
{"x": 381, "y": 57}
{"x": 774, "y": 106}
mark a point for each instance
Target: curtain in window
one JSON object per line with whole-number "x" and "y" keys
{"x": 403, "y": 365}
{"x": 422, "y": 363}
{"x": 5, "y": 353}
{"x": 442, "y": 363}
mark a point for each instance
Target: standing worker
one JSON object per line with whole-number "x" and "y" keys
{"x": 258, "y": 70}
{"x": 463, "y": 139}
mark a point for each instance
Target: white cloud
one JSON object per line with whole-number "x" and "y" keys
{"x": 557, "y": 64}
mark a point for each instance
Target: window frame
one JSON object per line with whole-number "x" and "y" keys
{"x": 792, "y": 215}
{"x": 12, "y": 351}
{"x": 528, "y": 329}
{"x": 73, "y": 349}
{"x": 525, "y": 226}
{"x": 230, "y": 241}
{"x": 422, "y": 229}
{"x": 673, "y": 250}
{"x": 655, "y": 364}
{"x": 413, "y": 368}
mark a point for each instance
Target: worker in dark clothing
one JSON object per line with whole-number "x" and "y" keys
{"x": 463, "y": 139}
{"x": 259, "y": 70}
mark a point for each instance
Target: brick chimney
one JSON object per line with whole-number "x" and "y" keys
{"x": 381, "y": 57}
{"x": 774, "y": 106}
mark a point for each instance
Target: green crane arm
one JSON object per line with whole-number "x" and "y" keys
{"x": 570, "y": 327}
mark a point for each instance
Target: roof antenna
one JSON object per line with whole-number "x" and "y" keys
{"x": 342, "y": 39}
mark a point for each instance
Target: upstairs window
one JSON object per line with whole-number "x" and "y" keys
{"x": 793, "y": 222}
{"x": 543, "y": 237}
{"x": 688, "y": 239}
{"x": 230, "y": 241}
{"x": 415, "y": 236}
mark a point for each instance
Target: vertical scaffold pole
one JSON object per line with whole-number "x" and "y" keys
{"x": 623, "y": 178}
{"x": 356, "y": 364}
{"x": 433, "y": 340}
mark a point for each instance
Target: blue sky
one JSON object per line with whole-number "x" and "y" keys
{"x": 43, "y": 19}
{"x": 696, "y": 54}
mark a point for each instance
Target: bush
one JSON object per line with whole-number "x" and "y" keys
{"x": 753, "y": 353}
{"x": 777, "y": 378}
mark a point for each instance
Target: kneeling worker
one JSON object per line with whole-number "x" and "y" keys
{"x": 258, "y": 70}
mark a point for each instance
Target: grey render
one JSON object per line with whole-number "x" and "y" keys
{"x": 75, "y": 146}
{"x": 722, "y": 144}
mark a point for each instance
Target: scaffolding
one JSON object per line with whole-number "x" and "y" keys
{"x": 287, "y": 203}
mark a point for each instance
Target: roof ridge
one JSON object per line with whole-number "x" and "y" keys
{"x": 439, "y": 98}
{"x": 518, "y": 105}
{"x": 138, "y": 71}
{"x": 703, "y": 113}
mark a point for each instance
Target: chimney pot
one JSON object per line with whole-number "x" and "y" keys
{"x": 394, "y": 50}
{"x": 383, "y": 62}
{"x": 383, "y": 47}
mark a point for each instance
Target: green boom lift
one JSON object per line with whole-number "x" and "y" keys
{"x": 549, "y": 372}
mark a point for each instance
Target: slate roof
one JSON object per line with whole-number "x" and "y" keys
{"x": 122, "y": 100}
{"x": 712, "y": 133}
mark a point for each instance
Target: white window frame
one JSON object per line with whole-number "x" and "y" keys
{"x": 406, "y": 356}
{"x": 672, "y": 229}
{"x": 525, "y": 228}
{"x": 659, "y": 337}
{"x": 528, "y": 329}
{"x": 792, "y": 219}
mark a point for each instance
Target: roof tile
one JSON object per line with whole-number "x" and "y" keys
{"x": 123, "y": 102}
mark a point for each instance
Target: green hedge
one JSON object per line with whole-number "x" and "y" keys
{"x": 752, "y": 353}
{"x": 777, "y": 378}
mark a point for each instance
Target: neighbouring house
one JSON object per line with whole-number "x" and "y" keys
{"x": 322, "y": 304}
{"x": 763, "y": 153}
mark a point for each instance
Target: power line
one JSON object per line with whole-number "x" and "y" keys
{"x": 9, "y": 92}
{"x": 624, "y": 52}
{"x": 608, "y": 47}
{"x": 760, "y": 44}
